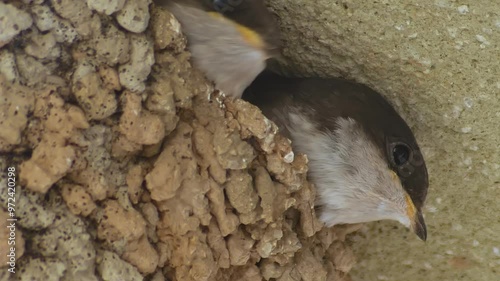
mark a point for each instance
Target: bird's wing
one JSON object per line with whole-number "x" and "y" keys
{"x": 230, "y": 54}
{"x": 279, "y": 96}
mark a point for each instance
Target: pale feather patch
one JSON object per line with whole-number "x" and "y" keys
{"x": 353, "y": 181}
{"x": 227, "y": 53}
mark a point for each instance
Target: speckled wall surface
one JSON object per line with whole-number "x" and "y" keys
{"x": 129, "y": 166}
{"x": 438, "y": 61}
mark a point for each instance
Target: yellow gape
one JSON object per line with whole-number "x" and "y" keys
{"x": 410, "y": 209}
{"x": 250, "y": 36}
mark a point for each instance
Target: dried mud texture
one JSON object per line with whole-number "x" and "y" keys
{"x": 130, "y": 166}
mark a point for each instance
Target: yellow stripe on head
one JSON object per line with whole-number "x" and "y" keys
{"x": 249, "y": 35}
{"x": 411, "y": 211}
{"x": 394, "y": 176}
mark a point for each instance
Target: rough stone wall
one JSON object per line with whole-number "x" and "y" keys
{"x": 130, "y": 166}
{"x": 438, "y": 62}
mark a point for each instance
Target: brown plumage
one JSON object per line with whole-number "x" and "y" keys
{"x": 323, "y": 103}
{"x": 229, "y": 40}
{"x": 250, "y": 13}
{"x": 363, "y": 157}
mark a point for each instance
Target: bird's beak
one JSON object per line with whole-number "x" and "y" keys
{"x": 417, "y": 222}
{"x": 419, "y": 227}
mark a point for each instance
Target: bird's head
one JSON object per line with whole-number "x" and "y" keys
{"x": 364, "y": 159}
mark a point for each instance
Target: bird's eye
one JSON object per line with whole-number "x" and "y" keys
{"x": 401, "y": 154}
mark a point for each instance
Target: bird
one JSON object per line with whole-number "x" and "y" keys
{"x": 364, "y": 159}
{"x": 229, "y": 40}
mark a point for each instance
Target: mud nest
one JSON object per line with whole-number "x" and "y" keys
{"x": 129, "y": 166}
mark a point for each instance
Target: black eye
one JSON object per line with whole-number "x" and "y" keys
{"x": 401, "y": 154}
